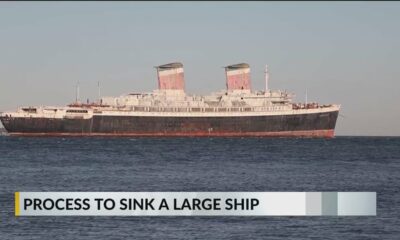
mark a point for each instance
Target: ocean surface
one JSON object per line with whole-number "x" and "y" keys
{"x": 201, "y": 164}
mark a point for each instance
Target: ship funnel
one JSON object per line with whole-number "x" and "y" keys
{"x": 238, "y": 76}
{"x": 170, "y": 76}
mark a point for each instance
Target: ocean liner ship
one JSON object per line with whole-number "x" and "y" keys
{"x": 169, "y": 111}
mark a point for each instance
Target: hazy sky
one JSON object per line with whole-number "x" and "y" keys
{"x": 342, "y": 52}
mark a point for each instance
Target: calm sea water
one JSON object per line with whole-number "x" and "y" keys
{"x": 201, "y": 164}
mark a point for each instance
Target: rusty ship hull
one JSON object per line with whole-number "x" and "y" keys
{"x": 294, "y": 125}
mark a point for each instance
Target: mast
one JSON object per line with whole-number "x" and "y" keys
{"x": 77, "y": 92}
{"x": 266, "y": 79}
{"x": 98, "y": 87}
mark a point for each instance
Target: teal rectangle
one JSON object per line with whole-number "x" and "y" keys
{"x": 329, "y": 204}
{"x": 357, "y": 204}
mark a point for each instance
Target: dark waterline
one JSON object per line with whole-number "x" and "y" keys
{"x": 201, "y": 164}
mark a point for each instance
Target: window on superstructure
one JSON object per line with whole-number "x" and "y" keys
{"x": 29, "y": 110}
{"x": 77, "y": 111}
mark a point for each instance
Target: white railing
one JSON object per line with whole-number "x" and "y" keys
{"x": 205, "y": 109}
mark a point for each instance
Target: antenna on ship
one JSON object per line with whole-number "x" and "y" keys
{"x": 266, "y": 79}
{"x": 77, "y": 92}
{"x": 98, "y": 86}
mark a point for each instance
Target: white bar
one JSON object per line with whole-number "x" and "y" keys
{"x": 239, "y": 71}
{"x": 170, "y": 71}
{"x": 183, "y": 203}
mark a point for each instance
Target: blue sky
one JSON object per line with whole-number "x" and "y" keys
{"x": 341, "y": 52}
